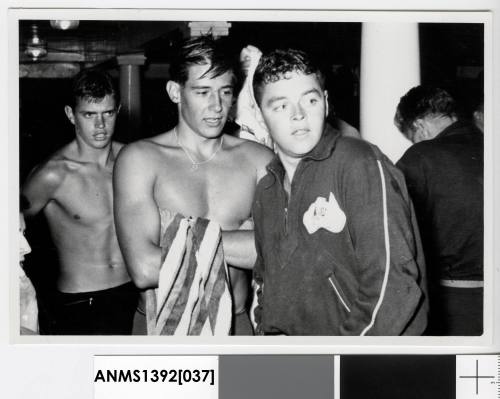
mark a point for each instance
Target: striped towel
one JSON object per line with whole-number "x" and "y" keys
{"x": 193, "y": 296}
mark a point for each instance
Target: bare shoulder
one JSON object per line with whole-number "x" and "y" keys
{"x": 137, "y": 151}
{"x": 53, "y": 170}
{"x": 143, "y": 153}
{"x": 257, "y": 153}
{"x": 45, "y": 180}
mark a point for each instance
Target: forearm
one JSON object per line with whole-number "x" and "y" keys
{"x": 143, "y": 264}
{"x": 239, "y": 248}
{"x": 142, "y": 255}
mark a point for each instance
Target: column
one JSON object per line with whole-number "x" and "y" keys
{"x": 390, "y": 66}
{"x": 130, "y": 93}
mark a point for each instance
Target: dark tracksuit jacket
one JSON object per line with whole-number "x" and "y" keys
{"x": 367, "y": 279}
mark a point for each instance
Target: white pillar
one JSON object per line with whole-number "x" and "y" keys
{"x": 390, "y": 66}
{"x": 130, "y": 93}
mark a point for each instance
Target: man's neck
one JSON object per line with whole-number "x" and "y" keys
{"x": 102, "y": 156}
{"x": 442, "y": 122}
{"x": 194, "y": 142}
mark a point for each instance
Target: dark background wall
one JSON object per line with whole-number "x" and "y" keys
{"x": 451, "y": 56}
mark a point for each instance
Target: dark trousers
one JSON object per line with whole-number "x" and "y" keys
{"x": 105, "y": 312}
{"x": 242, "y": 324}
{"x": 456, "y": 311}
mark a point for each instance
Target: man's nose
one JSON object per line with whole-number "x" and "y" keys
{"x": 99, "y": 120}
{"x": 297, "y": 112}
{"x": 216, "y": 102}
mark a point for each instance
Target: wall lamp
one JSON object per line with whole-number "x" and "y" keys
{"x": 64, "y": 24}
{"x": 35, "y": 47}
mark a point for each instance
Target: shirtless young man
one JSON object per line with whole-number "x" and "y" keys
{"x": 193, "y": 170}
{"x": 73, "y": 188}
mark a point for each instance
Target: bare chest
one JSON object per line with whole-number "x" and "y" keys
{"x": 221, "y": 192}
{"x": 86, "y": 197}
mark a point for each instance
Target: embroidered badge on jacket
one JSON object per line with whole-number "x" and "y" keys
{"x": 325, "y": 214}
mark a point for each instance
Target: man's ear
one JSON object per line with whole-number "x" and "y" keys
{"x": 69, "y": 113}
{"x": 420, "y": 130}
{"x": 174, "y": 91}
{"x": 327, "y": 107}
{"x": 418, "y": 123}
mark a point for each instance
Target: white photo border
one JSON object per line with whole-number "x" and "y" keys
{"x": 338, "y": 345}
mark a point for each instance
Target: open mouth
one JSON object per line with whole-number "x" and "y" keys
{"x": 100, "y": 136}
{"x": 300, "y": 132}
{"x": 213, "y": 121}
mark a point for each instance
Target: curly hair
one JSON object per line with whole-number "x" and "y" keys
{"x": 420, "y": 102}
{"x": 277, "y": 64}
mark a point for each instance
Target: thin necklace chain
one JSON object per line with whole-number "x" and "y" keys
{"x": 194, "y": 164}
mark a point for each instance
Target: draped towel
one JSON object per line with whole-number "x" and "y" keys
{"x": 193, "y": 296}
{"x": 248, "y": 114}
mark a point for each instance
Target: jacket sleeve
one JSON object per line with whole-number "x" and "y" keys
{"x": 389, "y": 264}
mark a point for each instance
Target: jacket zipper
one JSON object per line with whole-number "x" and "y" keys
{"x": 286, "y": 221}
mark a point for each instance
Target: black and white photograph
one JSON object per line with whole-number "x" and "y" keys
{"x": 310, "y": 175}
{"x": 268, "y": 198}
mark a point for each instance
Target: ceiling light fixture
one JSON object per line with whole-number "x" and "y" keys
{"x": 64, "y": 24}
{"x": 214, "y": 28}
{"x": 35, "y": 47}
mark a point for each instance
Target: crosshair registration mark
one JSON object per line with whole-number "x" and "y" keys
{"x": 477, "y": 377}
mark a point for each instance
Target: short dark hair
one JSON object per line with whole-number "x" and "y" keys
{"x": 422, "y": 101}
{"x": 202, "y": 50}
{"x": 92, "y": 84}
{"x": 278, "y": 63}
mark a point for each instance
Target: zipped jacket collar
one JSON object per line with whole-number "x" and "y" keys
{"x": 321, "y": 151}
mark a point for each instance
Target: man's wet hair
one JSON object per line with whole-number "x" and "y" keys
{"x": 92, "y": 85}
{"x": 203, "y": 50}
{"x": 420, "y": 102}
{"x": 277, "y": 64}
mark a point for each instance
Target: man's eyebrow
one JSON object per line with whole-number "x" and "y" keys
{"x": 274, "y": 99}
{"x": 280, "y": 98}
{"x": 201, "y": 87}
{"x": 83, "y": 111}
{"x": 314, "y": 91}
